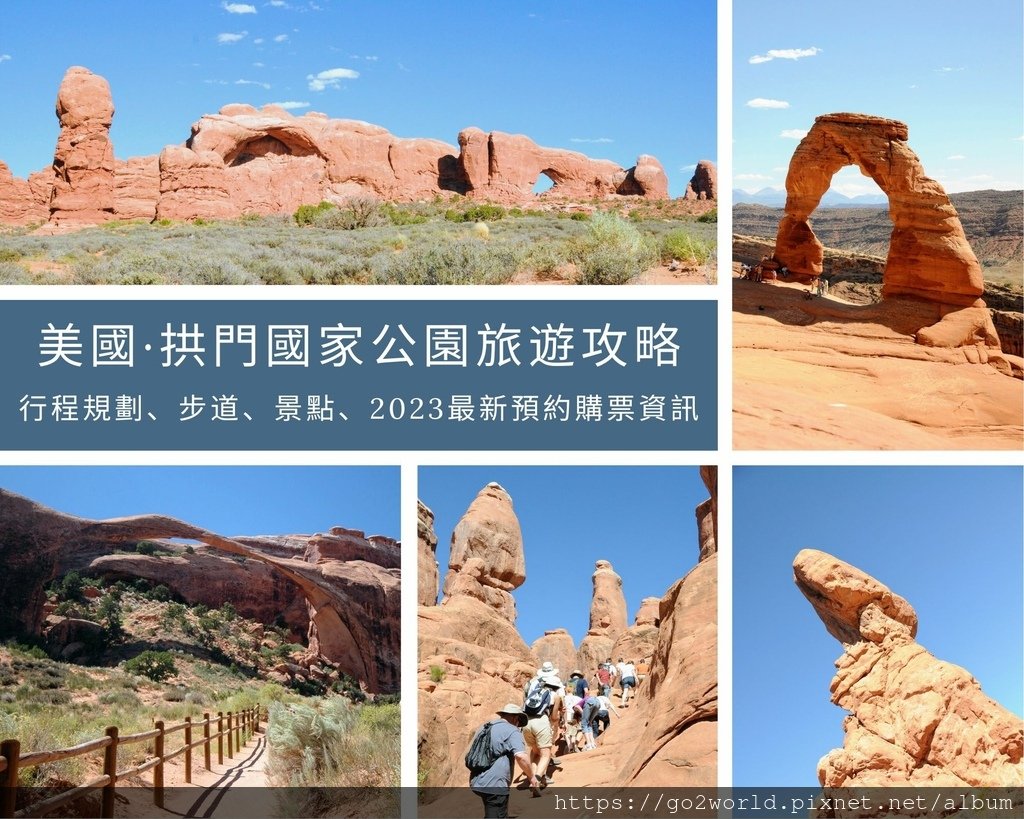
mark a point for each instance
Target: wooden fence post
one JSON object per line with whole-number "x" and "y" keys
{"x": 206, "y": 738}
{"x": 231, "y": 753}
{"x": 158, "y": 771}
{"x": 238, "y": 732}
{"x": 259, "y": 713}
{"x": 10, "y": 749}
{"x": 220, "y": 737}
{"x": 188, "y": 750}
{"x": 110, "y": 769}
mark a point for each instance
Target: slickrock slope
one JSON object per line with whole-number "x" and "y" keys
{"x": 246, "y": 160}
{"x": 607, "y": 618}
{"x": 929, "y": 256}
{"x": 471, "y": 658}
{"x": 915, "y": 720}
{"x": 349, "y": 583}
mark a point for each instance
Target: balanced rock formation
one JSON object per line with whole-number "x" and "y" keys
{"x": 426, "y": 563}
{"x": 472, "y": 659}
{"x": 914, "y": 720}
{"x": 929, "y": 256}
{"x": 348, "y": 583}
{"x": 557, "y": 648}
{"x": 83, "y": 162}
{"x": 704, "y": 182}
{"x": 607, "y": 618}
{"x": 486, "y": 559}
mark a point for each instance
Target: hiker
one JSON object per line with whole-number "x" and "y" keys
{"x": 490, "y": 756}
{"x": 579, "y": 683}
{"x": 627, "y": 679}
{"x": 603, "y": 719}
{"x": 589, "y": 706}
{"x": 604, "y": 678}
{"x": 543, "y": 709}
{"x": 571, "y": 720}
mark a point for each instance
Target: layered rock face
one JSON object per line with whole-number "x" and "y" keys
{"x": 704, "y": 182}
{"x": 915, "y": 720}
{"x": 929, "y": 257}
{"x": 486, "y": 558}
{"x": 639, "y": 641}
{"x": 472, "y": 659}
{"x": 558, "y": 648}
{"x": 83, "y": 162}
{"x": 427, "y": 573}
{"x": 607, "y": 618}
{"x": 348, "y": 584}
{"x": 265, "y": 160}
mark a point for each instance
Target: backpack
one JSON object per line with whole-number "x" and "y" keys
{"x": 538, "y": 701}
{"x": 480, "y": 757}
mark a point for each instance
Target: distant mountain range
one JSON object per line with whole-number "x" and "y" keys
{"x": 776, "y": 198}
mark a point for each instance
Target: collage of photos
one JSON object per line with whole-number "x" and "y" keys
{"x": 605, "y": 297}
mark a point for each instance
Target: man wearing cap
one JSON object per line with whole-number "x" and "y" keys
{"x": 492, "y": 784}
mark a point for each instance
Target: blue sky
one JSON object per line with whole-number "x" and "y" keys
{"x": 951, "y": 71}
{"x": 948, "y": 539}
{"x": 230, "y": 501}
{"x": 640, "y": 518}
{"x": 604, "y": 78}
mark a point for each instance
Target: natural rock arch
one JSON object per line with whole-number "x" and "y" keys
{"x": 929, "y": 256}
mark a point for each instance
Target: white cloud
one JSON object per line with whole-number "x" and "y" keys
{"x": 291, "y": 105}
{"x": 278, "y": 4}
{"x": 956, "y": 156}
{"x": 784, "y": 54}
{"x": 759, "y": 102}
{"x": 257, "y": 65}
{"x": 751, "y": 176}
{"x": 4, "y": 58}
{"x": 258, "y": 41}
{"x": 947, "y": 70}
{"x": 331, "y": 78}
{"x": 238, "y": 8}
{"x": 980, "y": 177}
{"x": 265, "y": 85}
{"x": 1019, "y": 139}
{"x": 793, "y": 133}
{"x": 687, "y": 168}
{"x": 280, "y": 38}
{"x": 231, "y": 38}
{"x": 372, "y": 58}
{"x": 592, "y": 140}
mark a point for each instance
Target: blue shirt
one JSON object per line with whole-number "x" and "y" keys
{"x": 506, "y": 741}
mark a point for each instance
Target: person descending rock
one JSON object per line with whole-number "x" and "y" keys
{"x": 627, "y": 679}
{"x": 543, "y": 709}
{"x": 490, "y": 756}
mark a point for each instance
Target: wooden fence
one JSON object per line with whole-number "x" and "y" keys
{"x": 233, "y": 730}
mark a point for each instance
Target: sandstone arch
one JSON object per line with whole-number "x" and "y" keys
{"x": 929, "y": 256}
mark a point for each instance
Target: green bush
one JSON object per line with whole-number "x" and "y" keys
{"x": 306, "y": 214}
{"x": 462, "y": 261}
{"x": 156, "y": 665}
{"x": 354, "y": 213}
{"x": 613, "y": 251}
{"x": 485, "y": 212}
{"x": 436, "y": 673}
{"x": 148, "y": 547}
{"x": 678, "y": 244}
{"x": 69, "y": 587}
{"x": 710, "y": 216}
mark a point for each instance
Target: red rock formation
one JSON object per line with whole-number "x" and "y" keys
{"x": 426, "y": 562}
{"x": 486, "y": 558}
{"x": 83, "y": 162}
{"x": 607, "y": 618}
{"x": 18, "y": 204}
{"x": 704, "y": 182}
{"x": 193, "y": 185}
{"x": 914, "y": 720}
{"x": 505, "y": 168}
{"x": 929, "y": 257}
{"x": 136, "y": 187}
{"x": 639, "y": 641}
{"x": 556, "y": 647}
{"x": 350, "y": 583}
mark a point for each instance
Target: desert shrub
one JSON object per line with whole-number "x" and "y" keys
{"x": 121, "y": 699}
{"x": 452, "y": 262}
{"x": 679, "y": 244}
{"x": 484, "y": 212}
{"x": 69, "y": 608}
{"x": 353, "y": 214}
{"x": 306, "y": 214}
{"x": 156, "y": 665}
{"x": 69, "y": 587}
{"x": 710, "y": 216}
{"x": 481, "y": 231}
{"x": 112, "y": 616}
{"x": 436, "y": 673}
{"x": 228, "y": 612}
{"x": 190, "y": 550}
{"x": 160, "y": 594}
{"x": 612, "y": 252}
{"x": 579, "y": 216}
{"x": 176, "y": 694}
{"x": 401, "y": 216}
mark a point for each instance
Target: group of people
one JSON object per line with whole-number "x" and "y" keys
{"x": 554, "y": 714}
{"x": 771, "y": 269}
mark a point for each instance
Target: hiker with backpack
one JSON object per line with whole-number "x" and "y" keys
{"x": 489, "y": 760}
{"x": 543, "y": 709}
{"x": 627, "y": 679}
{"x": 579, "y": 684}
